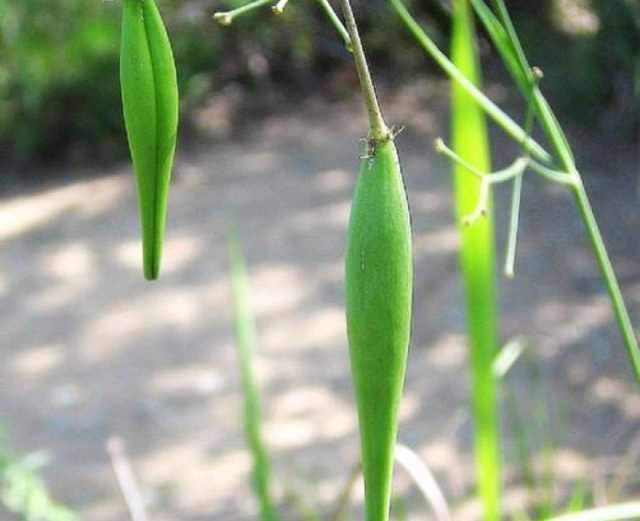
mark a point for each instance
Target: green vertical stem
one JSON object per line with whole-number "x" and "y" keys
{"x": 470, "y": 140}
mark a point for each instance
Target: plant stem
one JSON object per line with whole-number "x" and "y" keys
{"x": 495, "y": 112}
{"x": 606, "y": 268}
{"x": 563, "y": 150}
{"x": 378, "y": 128}
{"x": 337, "y": 23}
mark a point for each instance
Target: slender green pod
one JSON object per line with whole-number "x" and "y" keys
{"x": 379, "y": 280}
{"x": 379, "y": 292}
{"x": 150, "y": 103}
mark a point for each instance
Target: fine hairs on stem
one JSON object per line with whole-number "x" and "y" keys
{"x": 378, "y": 128}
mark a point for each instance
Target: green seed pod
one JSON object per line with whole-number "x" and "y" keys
{"x": 379, "y": 292}
{"x": 150, "y": 101}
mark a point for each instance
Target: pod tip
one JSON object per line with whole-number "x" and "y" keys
{"x": 151, "y": 272}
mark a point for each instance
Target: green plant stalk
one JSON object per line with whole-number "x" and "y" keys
{"x": 246, "y": 343}
{"x": 496, "y": 113}
{"x": 470, "y": 141}
{"x": 337, "y": 23}
{"x": 611, "y": 281}
{"x": 556, "y": 136}
{"x": 378, "y": 130}
{"x": 558, "y": 139}
{"x": 619, "y": 512}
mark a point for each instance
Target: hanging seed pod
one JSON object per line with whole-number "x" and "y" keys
{"x": 150, "y": 102}
{"x": 379, "y": 293}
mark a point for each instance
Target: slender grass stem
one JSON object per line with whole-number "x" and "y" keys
{"x": 496, "y": 113}
{"x": 571, "y": 176}
{"x": 337, "y": 23}
{"x": 615, "y": 294}
{"x": 378, "y": 128}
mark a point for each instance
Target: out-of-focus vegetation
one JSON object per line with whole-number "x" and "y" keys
{"x": 22, "y": 490}
{"x": 59, "y": 90}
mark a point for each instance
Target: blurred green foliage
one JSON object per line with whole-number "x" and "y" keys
{"x": 23, "y": 491}
{"x": 59, "y": 88}
{"x": 590, "y": 54}
{"x": 57, "y": 74}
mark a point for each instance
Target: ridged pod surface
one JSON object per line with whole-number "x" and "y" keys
{"x": 150, "y": 102}
{"x": 378, "y": 302}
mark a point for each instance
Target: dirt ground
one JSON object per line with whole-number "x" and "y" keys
{"x": 91, "y": 350}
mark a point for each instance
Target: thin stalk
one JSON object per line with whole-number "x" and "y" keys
{"x": 378, "y": 128}
{"x": 557, "y": 137}
{"x": 470, "y": 141}
{"x": 613, "y": 288}
{"x": 337, "y": 23}
{"x": 496, "y": 113}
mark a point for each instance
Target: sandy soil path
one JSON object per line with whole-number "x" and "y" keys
{"x": 91, "y": 350}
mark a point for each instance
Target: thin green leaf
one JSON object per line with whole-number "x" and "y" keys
{"x": 246, "y": 343}
{"x": 620, "y": 512}
{"x": 470, "y": 142}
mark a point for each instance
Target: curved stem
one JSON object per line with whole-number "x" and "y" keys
{"x": 378, "y": 128}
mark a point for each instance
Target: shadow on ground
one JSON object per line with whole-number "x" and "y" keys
{"x": 91, "y": 350}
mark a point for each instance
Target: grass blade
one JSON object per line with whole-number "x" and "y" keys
{"x": 620, "y": 512}
{"x": 246, "y": 343}
{"x": 470, "y": 141}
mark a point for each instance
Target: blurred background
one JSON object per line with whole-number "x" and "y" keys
{"x": 269, "y": 144}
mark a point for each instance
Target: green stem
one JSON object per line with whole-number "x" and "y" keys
{"x": 606, "y": 268}
{"x": 563, "y": 150}
{"x": 378, "y": 128}
{"x": 337, "y": 23}
{"x": 495, "y": 112}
